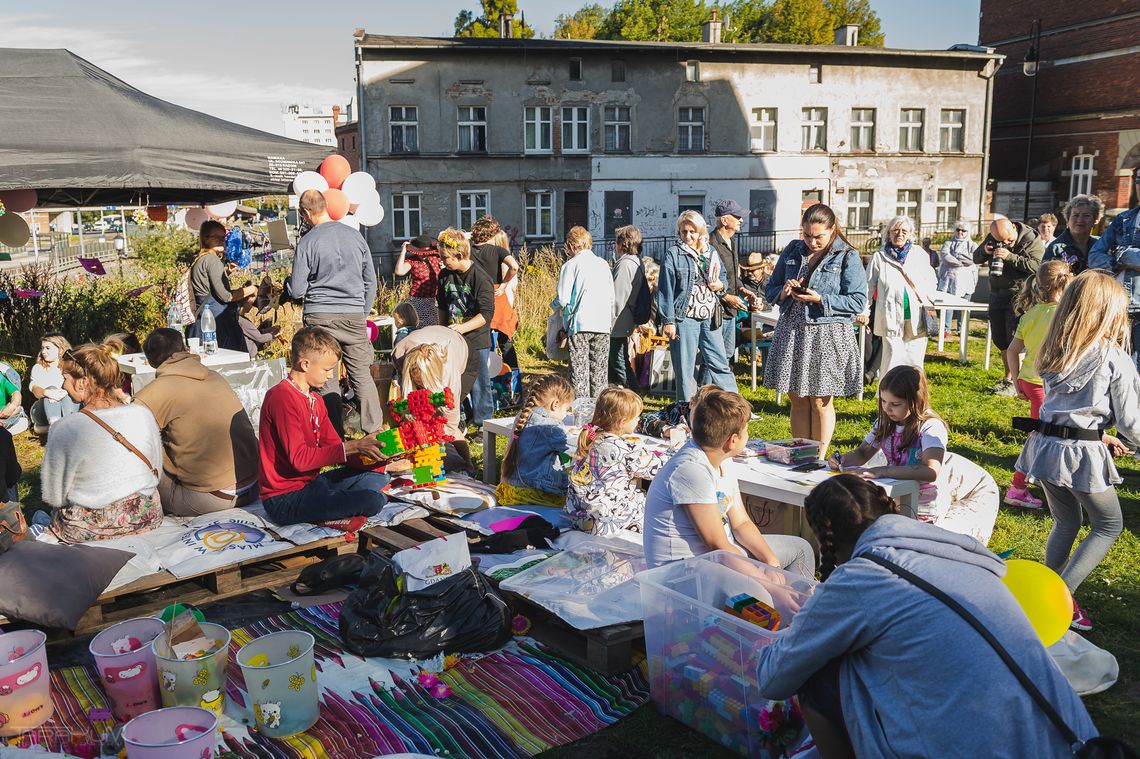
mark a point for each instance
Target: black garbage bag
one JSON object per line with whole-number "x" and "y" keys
{"x": 461, "y": 614}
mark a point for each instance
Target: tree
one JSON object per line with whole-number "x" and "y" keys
{"x": 659, "y": 20}
{"x": 582, "y": 24}
{"x": 487, "y": 25}
{"x": 796, "y": 22}
{"x": 742, "y": 21}
{"x": 858, "y": 12}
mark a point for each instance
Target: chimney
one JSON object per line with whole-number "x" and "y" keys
{"x": 710, "y": 30}
{"x": 847, "y": 35}
{"x": 506, "y": 26}
{"x": 336, "y": 115}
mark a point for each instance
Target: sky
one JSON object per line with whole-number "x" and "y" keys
{"x": 244, "y": 61}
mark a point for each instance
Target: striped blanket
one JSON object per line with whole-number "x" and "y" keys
{"x": 516, "y": 702}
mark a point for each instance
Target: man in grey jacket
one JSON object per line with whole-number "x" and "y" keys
{"x": 631, "y": 293}
{"x": 334, "y": 274}
{"x": 730, "y": 216}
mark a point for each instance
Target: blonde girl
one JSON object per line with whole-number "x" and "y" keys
{"x": 1036, "y": 303}
{"x": 1091, "y": 385}
{"x": 604, "y": 494}
{"x": 540, "y": 476}
{"x": 45, "y": 382}
{"x": 911, "y": 436}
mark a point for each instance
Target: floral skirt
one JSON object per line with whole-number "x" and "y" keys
{"x": 127, "y": 516}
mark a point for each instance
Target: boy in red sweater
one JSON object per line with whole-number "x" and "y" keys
{"x": 297, "y": 440}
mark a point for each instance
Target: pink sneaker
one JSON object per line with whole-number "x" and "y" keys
{"x": 1023, "y": 498}
{"x": 1081, "y": 619}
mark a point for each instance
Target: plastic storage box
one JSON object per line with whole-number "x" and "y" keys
{"x": 793, "y": 450}
{"x": 702, "y": 660}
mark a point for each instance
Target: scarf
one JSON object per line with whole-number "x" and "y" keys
{"x": 899, "y": 253}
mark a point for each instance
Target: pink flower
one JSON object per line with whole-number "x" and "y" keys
{"x": 427, "y": 679}
{"x": 441, "y": 690}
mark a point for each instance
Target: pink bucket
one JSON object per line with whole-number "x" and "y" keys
{"x": 25, "y": 685}
{"x": 177, "y": 732}
{"x": 130, "y": 679}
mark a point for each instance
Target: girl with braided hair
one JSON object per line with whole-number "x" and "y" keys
{"x": 883, "y": 668}
{"x": 539, "y": 477}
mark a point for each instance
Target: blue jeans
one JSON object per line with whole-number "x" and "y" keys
{"x": 336, "y": 494}
{"x": 482, "y": 397}
{"x": 697, "y": 336}
{"x": 45, "y": 412}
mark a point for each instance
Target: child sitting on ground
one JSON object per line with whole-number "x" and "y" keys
{"x": 45, "y": 382}
{"x": 912, "y": 438}
{"x": 604, "y": 493}
{"x": 693, "y": 505}
{"x": 405, "y": 319}
{"x": 297, "y": 440}
{"x": 1036, "y": 303}
{"x": 539, "y": 477}
{"x": 12, "y": 416}
{"x": 256, "y": 336}
{"x": 675, "y": 416}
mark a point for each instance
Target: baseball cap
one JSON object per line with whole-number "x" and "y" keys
{"x": 731, "y": 208}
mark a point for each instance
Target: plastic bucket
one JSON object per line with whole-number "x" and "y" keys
{"x": 194, "y": 682}
{"x": 25, "y": 685}
{"x": 178, "y": 732}
{"x": 130, "y": 679}
{"x": 281, "y": 680}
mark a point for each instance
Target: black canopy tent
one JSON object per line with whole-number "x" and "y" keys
{"x": 81, "y": 137}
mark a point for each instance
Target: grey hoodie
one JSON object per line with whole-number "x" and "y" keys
{"x": 1101, "y": 390}
{"x": 915, "y": 679}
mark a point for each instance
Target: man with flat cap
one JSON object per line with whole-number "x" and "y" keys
{"x": 736, "y": 297}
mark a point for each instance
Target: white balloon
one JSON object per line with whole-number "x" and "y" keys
{"x": 309, "y": 180}
{"x": 369, "y": 215}
{"x": 195, "y": 217}
{"x": 222, "y": 210}
{"x": 180, "y": 216}
{"x": 349, "y": 221}
{"x": 14, "y": 231}
{"x": 358, "y": 185}
{"x": 494, "y": 364}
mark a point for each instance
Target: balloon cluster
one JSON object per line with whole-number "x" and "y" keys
{"x": 195, "y": 216}
{"x": 351, "y": 196}
{"x": 14, "y": 231}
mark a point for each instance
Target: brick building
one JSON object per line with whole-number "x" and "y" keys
{"x": 1087, "y": 115}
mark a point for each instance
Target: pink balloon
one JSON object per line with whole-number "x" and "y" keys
{"x": 195, "y": 217}
{"x": 18, "y": 201}
{"x": 373, "y": 331}
{"x": 335, "y": 170}
{"x": 337, "y": 204}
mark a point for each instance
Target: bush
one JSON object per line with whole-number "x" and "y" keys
{"x": 161, "y": 248}
{"x": 538, "y": 284}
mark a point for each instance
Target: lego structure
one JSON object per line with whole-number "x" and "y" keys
{"x": 418, "y": 434}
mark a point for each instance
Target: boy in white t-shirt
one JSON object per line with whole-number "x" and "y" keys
{"x": 693, "y": 505}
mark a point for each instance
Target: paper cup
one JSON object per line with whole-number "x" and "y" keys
{"x": 179, "y": 732}
{"x": 25, "y": 685}
{"x": 194, "y": 682}
{"x": 129, "y": 679}
{"x": 281, "y": 680}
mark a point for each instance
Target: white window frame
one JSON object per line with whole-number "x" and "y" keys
{"x": 813, "y": 129}
{"x": 472, "y": 208}
{"x": 907, "y": 145}
{"x": 472, "y": 124}
{"x": 857, "y": 208}
{"x": 690, "y": 128}
{"x": 764, "y": 130}
{"x": 947, "y": 211}
{"x": 404, "y": 125}
{"x": 1081, "y": 175}
{"x": 403, "y": 212}
{"x": 911, "y": 208}
{"x": 692, "y": 71}
{"x": 531, "y": 205}
{"x": 682, "y": 206}
{"x": 533, "y": 120}
{"x": 948, "y": 130}
{"x": 576, "y": 129}
{"x": 616, "y": 126}
{"x": 862, "y": 131}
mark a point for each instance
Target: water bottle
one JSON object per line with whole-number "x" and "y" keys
{"x": 209, "y": 329}
{"x": 173, "y": 321}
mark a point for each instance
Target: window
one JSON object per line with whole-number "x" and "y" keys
{"x": 862, "y": 129}
{"x": 952, "y": 131}
{"x": 814, "y": 128}
{"x": 617, "y": 71}
{"x": 763, "y": 130}
{"x": 692, "y": 71}
{"x": 617, "y": 129}
{"x": 910, "y": 130}
{"x": 576, "y": 129}
{"x": 948, "y": 209}
{"x": 406, "y": 216}
{"x": 537, "y": 128}
{"x": 691, "y": 130}
{"x": 815, "y": 73}
{"x": 1080, "y": 181}
{"x": 859, "y": 209}
{"x": 691, "y": 202}
{"x": 575, "y": 69}
{"x": 539, "y": 214}
{"x": 472, "y": 129}
{"x": 472, "y": 204}
{"x": 910, "y": 204}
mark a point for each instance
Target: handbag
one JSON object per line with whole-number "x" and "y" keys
{"x": 13, "y": 527}
{"x": 929, "y": 315}
{"x": 1095, "y": 748}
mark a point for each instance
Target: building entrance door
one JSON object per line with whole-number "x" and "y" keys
{"x": 575, "y": 210}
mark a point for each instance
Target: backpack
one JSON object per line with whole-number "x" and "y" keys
{"x": 643, "y": 308}
{"x": 237, "y": 251}
{"x": 182, "y": 300}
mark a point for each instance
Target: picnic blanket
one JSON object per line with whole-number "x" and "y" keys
{"x": 515, "y": 702}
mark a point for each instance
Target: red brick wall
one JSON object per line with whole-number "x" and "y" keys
{"x": 1002, "y": 19}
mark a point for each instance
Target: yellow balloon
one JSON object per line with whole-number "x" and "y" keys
{"x": 1043, "y": 597}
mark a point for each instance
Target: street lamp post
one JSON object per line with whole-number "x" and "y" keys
{"x": 1029, "y": 68}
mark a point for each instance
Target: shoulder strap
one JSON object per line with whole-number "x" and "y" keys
{"x": 1050, "y": 712}
{"x": 902, "y": 271}
{"x": 120, "y": 439}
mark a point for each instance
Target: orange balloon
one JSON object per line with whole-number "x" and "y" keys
{"x": 335, "y": 170}
{"x": 337, "y": 203}
{"x": 157, "y": 213}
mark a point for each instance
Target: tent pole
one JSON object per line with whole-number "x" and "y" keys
{"x": 35, "y": 237}
{"x": 82, "y": 246}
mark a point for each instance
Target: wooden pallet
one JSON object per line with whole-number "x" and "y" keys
{"x": 608, "y": 650}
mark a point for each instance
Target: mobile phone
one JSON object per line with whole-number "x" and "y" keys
{"x": 800, "y": 290}
{"x": 809, "y": 466}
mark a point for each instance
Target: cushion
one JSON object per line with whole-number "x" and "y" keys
{"x": 53, "y": 585}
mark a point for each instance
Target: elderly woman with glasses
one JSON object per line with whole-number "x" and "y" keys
{"x": 902, "y": 284}
{"x": 957, "y": 272}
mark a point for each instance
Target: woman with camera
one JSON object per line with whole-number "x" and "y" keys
{"x": 1012, "y": 251}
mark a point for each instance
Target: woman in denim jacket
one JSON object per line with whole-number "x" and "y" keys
{"x": 688, "y": 299}
{"x": 820, "y": 285}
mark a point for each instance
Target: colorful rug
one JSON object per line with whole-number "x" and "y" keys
{"x": 516, "y": 702}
